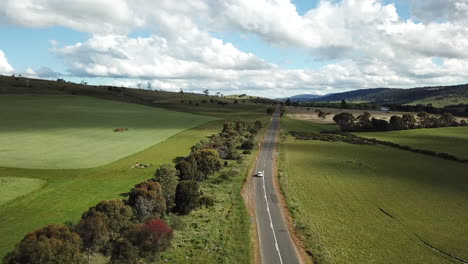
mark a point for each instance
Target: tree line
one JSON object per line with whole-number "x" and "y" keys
{"x": 348, "y": 122}
{"x": 136, "y": 229}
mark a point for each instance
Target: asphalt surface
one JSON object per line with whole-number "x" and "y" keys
{"x": 276, "y": 245}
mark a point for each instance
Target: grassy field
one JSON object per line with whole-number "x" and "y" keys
{"x": 373, "y": 204}
{"x": 441, "y": 101}
{"x": 13, "y": 188}
{"x": 452, "y": 140}
{"x": 69, "y": 132}
{"x": 69, "y": 192}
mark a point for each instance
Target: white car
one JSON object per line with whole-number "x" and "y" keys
{"x": 260, "y": 174}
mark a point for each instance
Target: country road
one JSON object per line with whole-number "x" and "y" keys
{"x": 276, "y": 245}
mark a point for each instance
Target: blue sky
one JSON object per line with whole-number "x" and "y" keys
{"x": 267, "y": 46}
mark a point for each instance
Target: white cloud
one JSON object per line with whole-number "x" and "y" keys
{"x": 42, "y": 72}
{"x": 5, "y": 67}
{"x": 372, "y": 46}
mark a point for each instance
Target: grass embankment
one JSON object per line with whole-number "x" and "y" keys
{"x": 218, "y": 234}
{"x": 70, "y": 192}
{"x": 70, "y": 132}
{"x": 370, "y": 203}
{"x": 452, "y": 140}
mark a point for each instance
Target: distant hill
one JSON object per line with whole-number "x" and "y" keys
{"x": 427, "y": 95}
{"x": 300, "y": 97}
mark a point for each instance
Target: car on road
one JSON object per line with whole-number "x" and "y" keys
{"x": 260, "y": 174}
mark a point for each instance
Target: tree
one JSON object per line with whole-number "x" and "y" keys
{"x": 208, "y": 161}
{"x": 143, "y": 241}
{"x": 247, "y": 145}
{"x": 463, "y": 123}
{"x": 187, "y": 197}
{"x": 346, "y": 121}
{"x": 148, "y": 85}
{"x": 424, "y": 119}
{"x": 124, "y": 252}
{"x": 116, "y": 216}
{"x": 188, "y": 169}
{"x": 380, "y": 124}
{"x": 93, "y": 232}
{"x": 288, "y": 102}
{"x": 181, "y": 91}
{"x": 409, "y": 122}
{"x": 447, "y": 119}
{"x": 167, "y": 175}
{"x": 206, "y": 92}
{"x": 53, "y": 244}
{"x": 321, "y": 114}
{"x": 343, "y": 104}
{"x": 270, "y": 110}
{"x": 396, "y": 123}
{"x": 258, "y": 124}
{"x": 364, "y": 122}
{"x": 147, "y": 200}
{"x": 235, "y": 101}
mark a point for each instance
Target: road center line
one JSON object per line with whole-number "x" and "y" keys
{"x": 269, "y": 215}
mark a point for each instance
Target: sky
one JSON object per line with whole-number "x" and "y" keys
{"x": 271, "y": 48}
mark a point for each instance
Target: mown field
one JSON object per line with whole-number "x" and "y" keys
{"x": 69, "y": 192}
{"x": 16, "y": 187}
{"x": 374, "y": 204}
{"x": 70, "y": 132}
{"x": 452, "y": 140}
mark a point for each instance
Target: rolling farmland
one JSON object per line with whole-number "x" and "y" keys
{"x": 374, "y": 204}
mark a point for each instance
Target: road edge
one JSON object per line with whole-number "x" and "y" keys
{"x": 248, "y": 194}
{"x": 304, "y": 258}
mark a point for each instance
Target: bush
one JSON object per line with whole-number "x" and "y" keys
{"x": 53, "y": 244}
{"x": 247, "y": 145}
{"x": 207, "y": 201}
{"x": 187, "y": 197}
{"x": 167, "y": 175}
{"x": 142, "y": 241}
{"x": 246, "y": 152}
{"x": 147, "y": 200}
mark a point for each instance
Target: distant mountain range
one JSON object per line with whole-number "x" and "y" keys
{"x": 449, "y": 94}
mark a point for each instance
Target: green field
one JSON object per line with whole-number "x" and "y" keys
{"x": 12, "y": 188}
{"x": 69, "y": 132}
{"x": 69, "y": 192}
{"x": 441, "y": 101}
{"x": 452, "y": 140}
{"x": 373, "y": 204}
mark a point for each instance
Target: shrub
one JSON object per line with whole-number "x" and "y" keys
{"x": 207, "y": 201}
{"x": 246, "y": 152}
{"x": 167, "y": 175}
{"x": 147, "y": 200}
{"x": 54, "y": 244}
{"x": 247, "y": 145}
{"x": 124, "y": 252}
{"x": 187, "y": 197}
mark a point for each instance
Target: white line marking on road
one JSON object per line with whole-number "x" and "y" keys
{"x": 271, "y": 221}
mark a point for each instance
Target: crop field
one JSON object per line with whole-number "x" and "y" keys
{"x": 452, "y": 140}
{"x": 374, "y": 204}
{"x": 69, "y": 132}
{"x": 12, "y": 188}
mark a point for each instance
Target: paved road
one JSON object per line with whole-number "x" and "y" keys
{"x": 276, "y": 245}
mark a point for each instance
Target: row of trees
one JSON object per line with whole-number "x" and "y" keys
{"x": 364, "y": 122}
{"x": 133, "y": 230}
